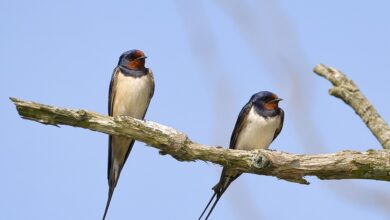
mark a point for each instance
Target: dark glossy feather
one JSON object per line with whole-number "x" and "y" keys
{"x": 277, "y": 132}
{"x": 111, "y": 98}
{"x": 239, "y": 124}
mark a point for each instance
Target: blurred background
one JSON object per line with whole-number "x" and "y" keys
{"x": 208, "y": 58}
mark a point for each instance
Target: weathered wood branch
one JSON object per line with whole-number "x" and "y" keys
{"x": 372, "y": 164}
{"x": 346, "y": 90}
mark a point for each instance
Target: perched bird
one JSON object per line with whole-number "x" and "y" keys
{"x": 259, "y": 123}
{"x": 131, "y": 89}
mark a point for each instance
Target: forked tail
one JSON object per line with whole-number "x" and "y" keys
{"x": 208, "y": 204}
{"x": 212, "y": 207}
{"x": 219, "y": 189}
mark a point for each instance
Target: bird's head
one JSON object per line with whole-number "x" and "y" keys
{"x": 133, "y": 60}
{"x": 266, "y": 100}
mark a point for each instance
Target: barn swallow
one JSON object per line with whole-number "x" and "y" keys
{"x": 259, "y": 123}
{"x": 131, "y": 89}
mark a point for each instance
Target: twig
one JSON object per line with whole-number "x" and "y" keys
{"x": 371, "y": 164}
{"x": 346, "y": 90}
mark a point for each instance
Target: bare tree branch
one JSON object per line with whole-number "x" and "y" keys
{"x": 371, "y": 164}
{"x": 346, "y": 90}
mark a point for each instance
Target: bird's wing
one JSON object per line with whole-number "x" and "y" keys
{"x": 111, "y": 98}
{"x": 151, "y": 77}
{"x": 239, "y": 124}
{"x": 279, "y": 129}
{"x": 112, "y": 90}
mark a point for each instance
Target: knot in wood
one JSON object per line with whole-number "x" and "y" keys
{"x": 82, "y": 115}
{"x": 260, "y": 161}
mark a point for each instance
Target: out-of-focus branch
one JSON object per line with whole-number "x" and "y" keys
{"x": 291, "y": 167}
{"x": 346, "y": 90}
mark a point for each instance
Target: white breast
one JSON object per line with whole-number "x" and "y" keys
{"x": 132, "y": 95}
{"x": 258, "y": 132}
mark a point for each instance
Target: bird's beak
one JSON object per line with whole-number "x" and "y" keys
{"x": 277, "y": 100}
{"x": 140, "y": 58}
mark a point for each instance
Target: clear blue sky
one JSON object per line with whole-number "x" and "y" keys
{"x": 208, "y": 58}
